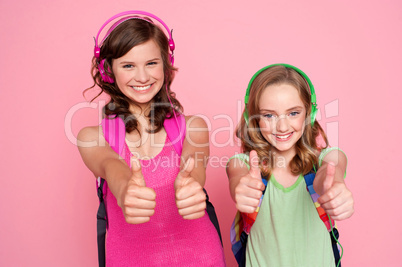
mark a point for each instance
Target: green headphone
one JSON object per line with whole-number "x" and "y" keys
{"x": 313, "y": 96}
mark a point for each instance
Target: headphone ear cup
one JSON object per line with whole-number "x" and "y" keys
{"x": 245, "y": 115}
{"x": 313, "y": 114}
{"x": 102, "y": 72}
{"x": 171, "y": 58}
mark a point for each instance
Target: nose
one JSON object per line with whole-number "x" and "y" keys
{"x": 141, "y": 75}
{"x": 282, "y": 124}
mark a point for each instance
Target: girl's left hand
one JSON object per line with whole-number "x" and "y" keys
{"x": 337, "y": 200}
{"x": 190, "y": 198}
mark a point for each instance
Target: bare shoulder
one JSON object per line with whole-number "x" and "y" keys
{"x": 197, "y": 131}
{"x": 94, "y": 149}
{"x": 90, "y": 140}
{"x": 336, "y": 156}
{"x": 196, "y": 122}
{"x": 90, "y": 134}
{"x": 236, "y": 166}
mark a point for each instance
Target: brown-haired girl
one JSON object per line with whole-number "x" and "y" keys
{"x": 155, "y": 209}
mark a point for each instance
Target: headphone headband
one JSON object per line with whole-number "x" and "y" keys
{"x": 310, "y": 84}
{"x": 126, "y": 13}
{"x": 124, "y": 17}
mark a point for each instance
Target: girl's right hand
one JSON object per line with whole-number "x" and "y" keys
{"x": 249, "y": 189}
{"x": 137, "y": 201}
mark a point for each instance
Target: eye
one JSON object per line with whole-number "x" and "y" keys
{"x": 128, "y": 66}
{"x": 152, "y": 63}
{"x": 294, "y": 113}
{"x": 268, "y": 116}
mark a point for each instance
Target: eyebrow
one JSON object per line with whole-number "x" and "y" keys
{"x": 289, "y": 109}
{"x": 130, "y": 62}
{"x": 157, "y": 58}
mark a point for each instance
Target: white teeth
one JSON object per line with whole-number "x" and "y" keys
{"x": 141, "y": 88}
{"x": 283, "y": 136}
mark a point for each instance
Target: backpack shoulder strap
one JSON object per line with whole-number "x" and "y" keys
{"x": 333, "y": 232}
{"x": 175, "y": 127}
{"x": 309, "y": 178}
{"x": 114, "y": 131}
{"x": 101, "y": 225}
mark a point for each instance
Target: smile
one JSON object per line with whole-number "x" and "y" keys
{"x": 283, "y": 137}
{"x": 141, "y": 88}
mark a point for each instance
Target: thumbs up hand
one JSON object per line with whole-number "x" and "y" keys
{"x": 138, "y": 203}
{"x": 249, "y": 189}
{"x": 190, "y": 198}
{"x": 329, "y": 178}
{"x": 336, "y": 198}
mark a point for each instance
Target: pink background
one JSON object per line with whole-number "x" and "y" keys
{"x": 350, "y": 50}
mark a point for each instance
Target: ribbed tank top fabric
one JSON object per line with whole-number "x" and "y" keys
{"x": 167, "y": 239}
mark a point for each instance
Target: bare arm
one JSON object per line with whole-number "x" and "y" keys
{"x": 196, "y": 145}
{"x": 190, "y": 198}
{"x": 128, "y": 186}
{"x": 102, "y": 160}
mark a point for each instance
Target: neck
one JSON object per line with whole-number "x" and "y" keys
{"x": 140, "y": 109}
{"x": 281, "y": 159}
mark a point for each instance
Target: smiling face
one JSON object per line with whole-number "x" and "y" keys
{"x": 282, "y": 118}
{"x": 139, "y": 74}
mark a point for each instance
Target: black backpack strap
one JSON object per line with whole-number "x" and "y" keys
{"x": 101, "y": 224}
{"x": 335, "y": 246}
{"x": 212, "y": 215}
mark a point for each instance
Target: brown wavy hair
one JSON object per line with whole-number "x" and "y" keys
{"x": 121, "y": 40}
{"x": 252, "y": 138}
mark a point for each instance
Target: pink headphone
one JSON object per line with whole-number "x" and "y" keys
{"x": 127, "y": 15}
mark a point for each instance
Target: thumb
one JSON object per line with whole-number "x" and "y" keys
{"x": 137, "y": 176}
{"x": 254, "y": 171}
{"x": 329, "y": 177}
{"x": 188, "y": 168}
{"x": 186, "y": 171}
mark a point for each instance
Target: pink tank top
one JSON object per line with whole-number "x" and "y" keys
{"x": 167, "y": 239}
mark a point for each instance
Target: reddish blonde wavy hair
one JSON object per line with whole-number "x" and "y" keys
{"x": 250, "y": 134}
